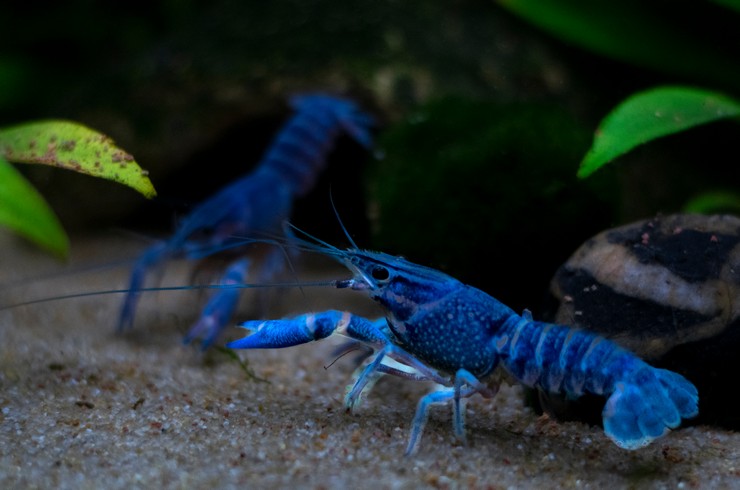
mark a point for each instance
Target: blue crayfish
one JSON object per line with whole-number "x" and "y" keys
{"x": 257, "y": 203}
{"x": 437, "y": 328}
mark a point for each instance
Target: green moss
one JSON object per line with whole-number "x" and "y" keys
{"x": 487, "y": 192}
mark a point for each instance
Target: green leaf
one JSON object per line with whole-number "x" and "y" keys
{"x": 651, "y": 114}
{"x": 633, "y": 31}
{"x": 714, "y": 202}
{"x": 23, "y": 210}
{"x": 75, "y": 147}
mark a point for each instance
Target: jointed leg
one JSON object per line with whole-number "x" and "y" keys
{"x": 219, "y": 309}
{"x": 465, "y": 386}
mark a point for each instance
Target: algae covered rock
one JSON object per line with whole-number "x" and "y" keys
{"x": 668, "y": 289}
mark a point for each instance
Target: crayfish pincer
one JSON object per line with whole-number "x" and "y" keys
{"x": 437, "y": 328}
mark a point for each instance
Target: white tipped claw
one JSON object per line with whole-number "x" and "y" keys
{"x": 251, "y": 326}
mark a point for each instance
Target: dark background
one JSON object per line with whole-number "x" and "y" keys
{"x": 483, "y": 120}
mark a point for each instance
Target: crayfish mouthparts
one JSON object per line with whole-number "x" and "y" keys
{"x": 346, "y": 283}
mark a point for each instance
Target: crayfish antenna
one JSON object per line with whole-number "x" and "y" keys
{"x": 341, "y": 224}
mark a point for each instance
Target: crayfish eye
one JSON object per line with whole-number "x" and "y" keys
{"x": 380, "y": 273}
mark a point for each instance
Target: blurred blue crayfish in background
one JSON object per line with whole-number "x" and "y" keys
{"x": 256, "y": 204}
{"x": 439, "y": 329}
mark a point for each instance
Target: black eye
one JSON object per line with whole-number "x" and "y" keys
{"x": 380, "y": 273}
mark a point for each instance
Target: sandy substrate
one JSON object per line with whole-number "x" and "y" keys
{"x": 83, "y": 407}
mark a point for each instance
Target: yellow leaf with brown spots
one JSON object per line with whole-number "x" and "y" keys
{"x": 71, "y": 145}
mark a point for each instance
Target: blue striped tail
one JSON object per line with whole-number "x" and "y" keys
{"x": 644, "y": 402}
{"x": 299, "y": 151}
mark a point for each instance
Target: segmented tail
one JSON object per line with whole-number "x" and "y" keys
{"x": 299, "y": 151}
{"x": 644, "y": 402}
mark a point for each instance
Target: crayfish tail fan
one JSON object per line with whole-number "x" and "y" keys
{"x": 647, "y": 405}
